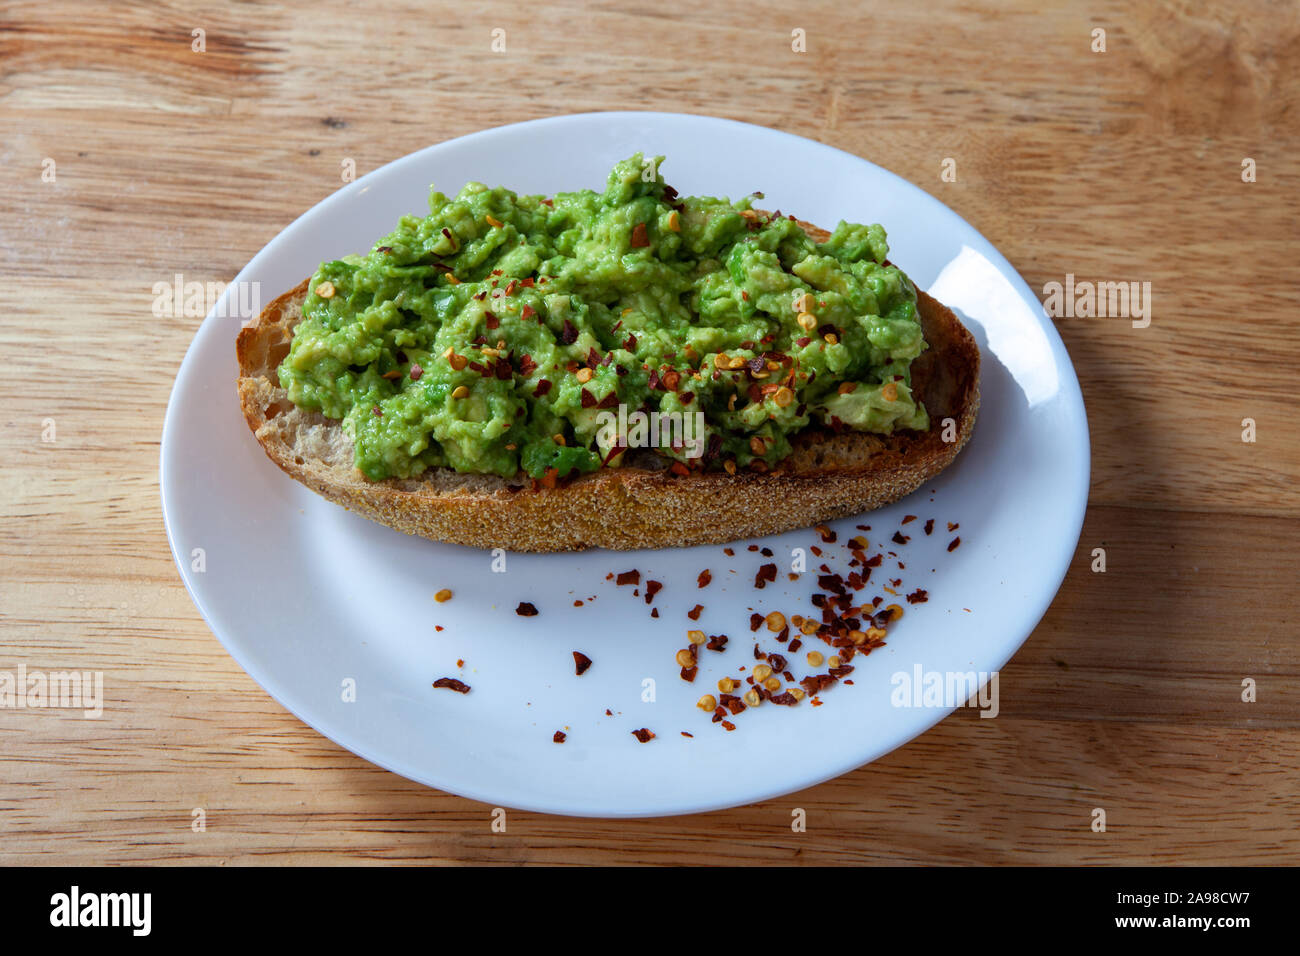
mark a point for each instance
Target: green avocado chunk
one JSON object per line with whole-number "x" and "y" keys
{"x": 505, "y": 333}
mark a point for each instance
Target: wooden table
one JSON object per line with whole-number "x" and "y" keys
{"x": 1122, "y": 165}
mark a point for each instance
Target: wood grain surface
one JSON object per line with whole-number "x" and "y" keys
{"x": 1122, "y": 165}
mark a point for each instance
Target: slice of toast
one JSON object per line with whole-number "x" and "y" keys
{"x": 640, "y": 505}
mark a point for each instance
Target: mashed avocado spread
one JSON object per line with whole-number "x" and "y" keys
{"x": 503, "y": 333}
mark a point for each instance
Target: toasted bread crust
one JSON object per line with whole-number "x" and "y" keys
{"x": 827, "y": 475}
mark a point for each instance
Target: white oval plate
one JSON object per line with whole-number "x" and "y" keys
{"x": 312, "y": 600}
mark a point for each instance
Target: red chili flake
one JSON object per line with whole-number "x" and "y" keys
{"x": 679, "y": 469}
{"x": 526, "y": 364}
{"x": 580, "y": 661}
{"x": 490, "y": 320}
{"x": 685, "y": 734}
{"x": 784, "y": 635}
{"x": 729, "y": 552}
{"x": 842, "y": 671}
{"x": 652, "y": 380}
{"x": 502, "y": 369}
{"x": 438, "y": 627}
{"x": 559, "y": 737}
{"x": 628, "y": 577}
{"x": 828, "y": 536}
{"x": 717, "y": 642}
{"x": 416, "y": 372}
{"x": 380, "y": 412}
{"x": 704, "y": 578}
{"x": 954, "y": 543}
{"x": 478, "y": 367}
{"x": 795, "y": 645}
{"x": 733, "y": 703}
{"x": 643, "y": 735}
{"x": 526, "y": 609}
{"x": 694, "y": 613}
{"x": 919, "y": 596}
{"x": 952, "y": 526}
{"x": 511, "y": 286}
{"x": 831, "y": 582}
{"x": 526, "y": 283}
{"x": 929, "y": 526}
{"x": 588, "y": 400}
{"x": 816, "y": 682}
{"x": 765, "y": 573}
{"x": 528, "y": 312}
{"x": 609, "y": 401}
{"x": 608, "y": 712}
{"x": 543, "y": 387}
{"x": 777, "y": 662}
{"x": 755, "y": 621}
{"x": 728, "y": 725}
{"x": 569, "y": 333}
{"x": 875, "y": 561}
{"x": 651, "y": 589}
{"x": 900, "y": 538}
{"x": 785, "y": 699}
{"x": 640, "y": 239}
{"x": 450, "y": 683}
{"x": 654, "y": 612}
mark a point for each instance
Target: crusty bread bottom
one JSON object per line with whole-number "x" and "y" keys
{"x": 827, "y": 476}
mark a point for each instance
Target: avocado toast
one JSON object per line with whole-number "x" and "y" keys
{"x": 818, "y": 405}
